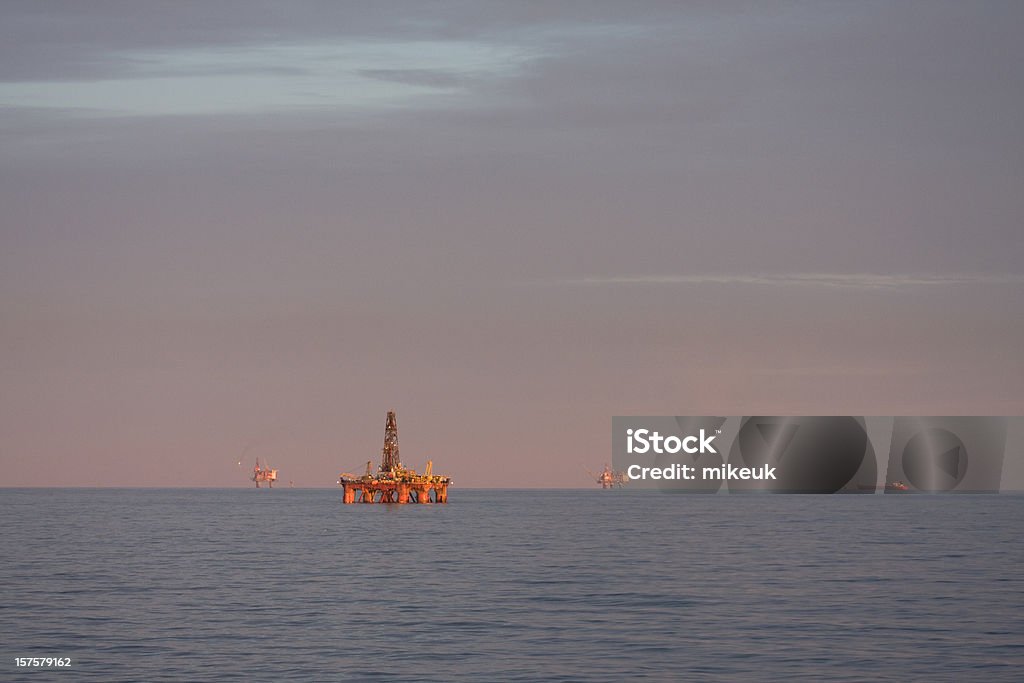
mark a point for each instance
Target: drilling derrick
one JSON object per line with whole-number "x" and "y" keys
{"x": 389, "y": 461}
{"x": 394, "y": 482}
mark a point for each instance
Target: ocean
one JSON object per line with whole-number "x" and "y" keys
{"x": 511, "y": 585}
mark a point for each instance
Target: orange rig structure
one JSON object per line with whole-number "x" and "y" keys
{"x": 264, "y": 474}
{"x": 609, "y": 478}
{"x": 394, "y": 483}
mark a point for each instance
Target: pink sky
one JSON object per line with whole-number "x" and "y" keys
{"x": 231, "y": 234}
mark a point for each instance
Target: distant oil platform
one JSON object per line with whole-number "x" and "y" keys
{"x": 609, "y": 478}
{"x": 264, "y": 474}
{"x": 393, "y": 482}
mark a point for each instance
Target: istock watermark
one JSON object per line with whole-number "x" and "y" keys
{"x": 813, "y": 454}
{"x": 643, "y": 440}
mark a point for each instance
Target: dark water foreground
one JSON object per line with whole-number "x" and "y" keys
{"x": 150, "y": 585}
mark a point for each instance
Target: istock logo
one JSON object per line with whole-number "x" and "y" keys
{"x": 653, "y": 442}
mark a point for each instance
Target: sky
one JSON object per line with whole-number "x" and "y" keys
{"x": 232, "y": 230}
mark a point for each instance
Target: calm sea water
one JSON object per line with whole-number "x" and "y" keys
{"x": 151, "y": 585}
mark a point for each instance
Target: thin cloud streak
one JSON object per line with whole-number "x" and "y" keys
{"x": 836, "y": 280}
{"x": 841, "y": 371}
{"x": 357, "y": 75}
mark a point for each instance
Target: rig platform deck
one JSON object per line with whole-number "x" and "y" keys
{"x": 394, "y": 492}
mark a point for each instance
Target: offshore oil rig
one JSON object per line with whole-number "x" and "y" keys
{"x": 264, "y": 474}
{"x": 393, "y": 482}
{"x": 609, "y": 478}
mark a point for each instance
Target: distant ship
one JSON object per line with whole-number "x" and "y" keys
{"x": 264, "y": 474}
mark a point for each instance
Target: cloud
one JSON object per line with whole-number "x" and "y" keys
{"x": 354, "y": 75}
{"x": 874, "y": 370}
{"x": 835, "y": 280}
{"x": 434, "y": 78}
